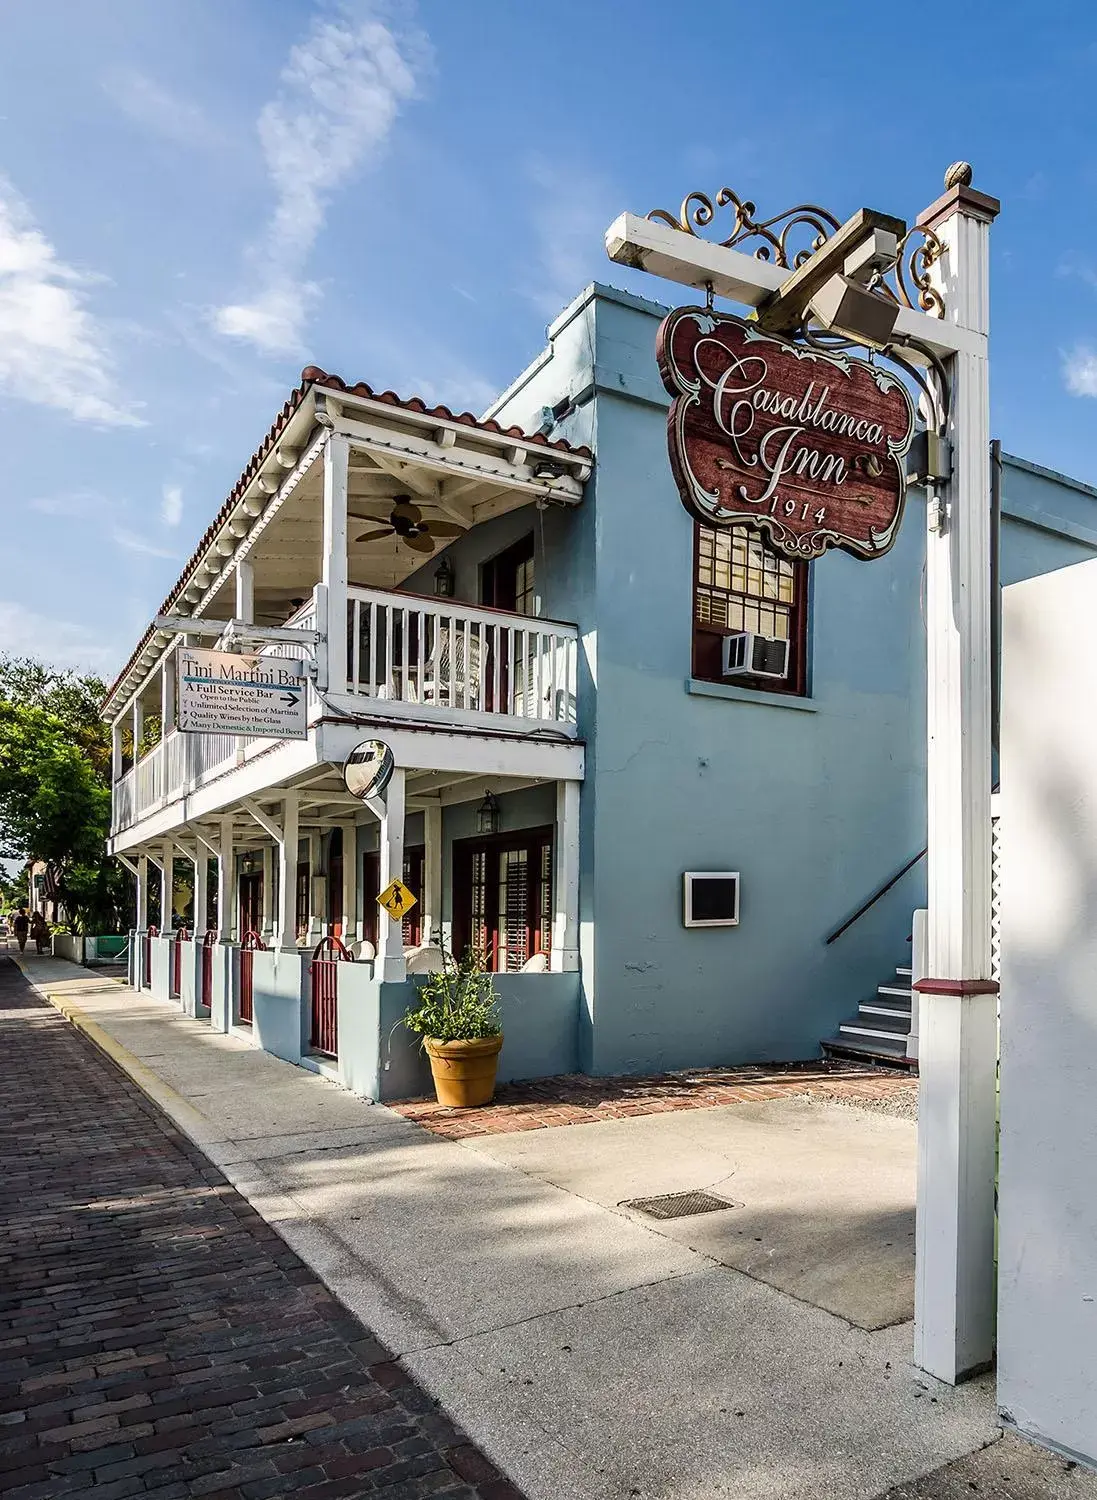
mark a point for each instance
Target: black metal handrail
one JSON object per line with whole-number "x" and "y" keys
{"x": 872, "y": 900}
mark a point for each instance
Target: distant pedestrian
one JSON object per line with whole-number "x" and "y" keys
{"x": 21, "y": 927}
{"x": 39, "y": 932}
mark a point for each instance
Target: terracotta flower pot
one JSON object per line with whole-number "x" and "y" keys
{"x": 464, "y": 1072}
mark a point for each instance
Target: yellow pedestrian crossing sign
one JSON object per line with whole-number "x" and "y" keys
{"x": 396, "y": 899}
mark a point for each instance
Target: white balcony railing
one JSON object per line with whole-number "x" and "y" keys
{"x": 459, "y": 661}
{"x": 417, "y": 659}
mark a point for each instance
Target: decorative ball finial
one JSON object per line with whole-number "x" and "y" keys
{"x": 959, "y": 175}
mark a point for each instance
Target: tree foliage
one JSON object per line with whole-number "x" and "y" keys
{"x": 55, "y": 796}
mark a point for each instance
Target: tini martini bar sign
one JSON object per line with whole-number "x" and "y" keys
{"x": 803, "y": 445}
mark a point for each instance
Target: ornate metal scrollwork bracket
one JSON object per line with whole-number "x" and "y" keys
{"x": 698, "y": 211}
{"x": 919, "y": 250}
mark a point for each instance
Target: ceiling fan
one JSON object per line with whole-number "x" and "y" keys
{"x": 407, "y": 524}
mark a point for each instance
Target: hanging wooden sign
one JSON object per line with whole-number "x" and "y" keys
{"x": 807, "y": 447}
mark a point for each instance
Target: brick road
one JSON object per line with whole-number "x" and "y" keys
{"x": 576, "y": 1099}
{"x": 156, "y": 1336}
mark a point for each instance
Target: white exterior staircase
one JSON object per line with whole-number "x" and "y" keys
{"x": 881, "y": 1029}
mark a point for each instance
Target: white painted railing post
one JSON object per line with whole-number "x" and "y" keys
{"x": 954, "y": 1291}
{"x": 564, "y": 956}
{"x": 334, "y": 558}
{"x": 116, "y": 751}
{"x": 390, "y": 943}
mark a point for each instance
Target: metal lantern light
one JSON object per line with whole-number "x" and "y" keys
{"x": 444, "y": 579}
{"x": 487, "y": 815}
{"x": 247, "y": 863}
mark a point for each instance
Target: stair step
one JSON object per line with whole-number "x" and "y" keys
{"x": 895, "y": 989}
{"x": 864, "y": 1052}
{"x": 905, "y": 973}
{"x": 882, "y": 1015}
{"x": 877, "y": 1035}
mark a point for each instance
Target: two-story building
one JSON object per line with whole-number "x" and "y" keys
{"x": 520, "y": 607}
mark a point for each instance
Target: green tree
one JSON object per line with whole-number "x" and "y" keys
{"x": 55, "y": 793}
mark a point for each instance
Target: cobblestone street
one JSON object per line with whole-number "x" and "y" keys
{"x": 156, "y": 1336}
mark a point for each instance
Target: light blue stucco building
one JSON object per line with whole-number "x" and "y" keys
{"x": 811, "y": 788}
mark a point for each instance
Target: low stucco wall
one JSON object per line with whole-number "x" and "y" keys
{"x": 381, "y": 1060}
{"x": 160, "y": 955}
{"x": 68, "y": 947}
{"x": 226, "y": 983}
{"x": 189, "y": 978}
{"x": 280, "y": 993}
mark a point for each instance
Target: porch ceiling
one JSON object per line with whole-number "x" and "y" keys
{"x": 325, "y": 802}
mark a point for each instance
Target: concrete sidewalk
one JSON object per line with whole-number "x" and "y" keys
{"x": 590, "y": 1355}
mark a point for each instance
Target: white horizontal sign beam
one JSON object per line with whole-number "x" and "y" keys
{"x": 691, "y": 261}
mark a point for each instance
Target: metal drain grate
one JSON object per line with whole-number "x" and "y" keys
{"x": 678, "y": 1205}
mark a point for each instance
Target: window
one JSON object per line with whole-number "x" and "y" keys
{"x": 502, "y": 897}
{"x": 741, "y": 583}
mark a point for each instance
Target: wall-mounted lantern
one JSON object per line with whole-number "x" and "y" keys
{"x": 487, "y": 815}
{"x": 444, "y": 579}
{"x": 247, "y": 863}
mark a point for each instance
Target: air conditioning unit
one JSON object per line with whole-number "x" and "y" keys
{"x": 749, "y": 655}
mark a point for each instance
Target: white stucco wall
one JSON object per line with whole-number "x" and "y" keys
{"x": 1047, "y": 1350}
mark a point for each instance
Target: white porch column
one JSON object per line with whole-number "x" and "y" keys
{"x": 957, "y": 1023}
{"x": 564, "y": 957}
{"x": 351, "y": 928}
{"x": 201, "y": 888}
{"x": 142, "y": 892}
{"x": 390, "y": 933}
{"x": 245, "y": 593}
{"x": 334, "y": 559}
{"x": 266, "y": 925}
{"x": 138, "y": 724}
{"x": 167, "y": 884}
{"x": 287, "y": 873}
{"x": 116, "y": 750}
{"x": 431, "y": 894}
{"x": 318, "y": 889}
{"x": 167, "y": 695}
{"x": 226, "y": 883}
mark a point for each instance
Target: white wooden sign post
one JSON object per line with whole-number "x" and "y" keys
{"x": 943, "y": 330}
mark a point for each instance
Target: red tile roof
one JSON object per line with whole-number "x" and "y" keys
{"x": 311, "y": 376}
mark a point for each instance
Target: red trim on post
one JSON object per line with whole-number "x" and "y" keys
{"x": 956, "y": 986}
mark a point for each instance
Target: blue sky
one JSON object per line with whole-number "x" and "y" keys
{"x": 199, "y": 197}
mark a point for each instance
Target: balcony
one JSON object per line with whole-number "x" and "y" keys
{"x": 443, "y": 661}
{"x": 419, "y": 662}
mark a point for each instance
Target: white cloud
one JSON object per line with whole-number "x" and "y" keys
{"x": 171, "y": 506}
{"x": 152, "y": 106}
{"x": 25, "y": 633}
{"x": 132, "y": 542}
{"x": 1080, "y": 371}
{"x": 571, "y": 212}
{"x": 342, "y": 88}
{"x": 53, "y": 351}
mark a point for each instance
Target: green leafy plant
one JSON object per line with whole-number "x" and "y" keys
{"x": 458, "y": 1003}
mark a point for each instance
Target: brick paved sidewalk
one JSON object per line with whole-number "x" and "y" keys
{"x": 156, "y": 1336}
{"x": 575, "y": 1099}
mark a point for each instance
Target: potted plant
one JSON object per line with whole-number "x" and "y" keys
{"x": 457, "y": 1015}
